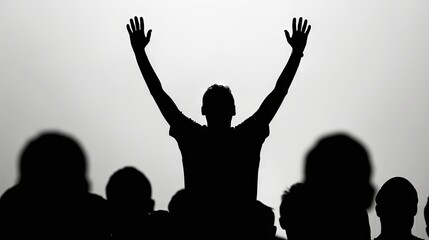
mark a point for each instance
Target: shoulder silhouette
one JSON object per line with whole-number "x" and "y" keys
{"x": 51, "y": 199}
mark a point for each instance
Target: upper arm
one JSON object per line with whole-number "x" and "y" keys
{"x": 273, "y": 101}
{"x": 269, "y": 106}
{"x": 166, "y": 105}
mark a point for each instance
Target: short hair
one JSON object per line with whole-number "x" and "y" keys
{"x": 126, "y": 184}
{"x": 397, "y": 191}
{"x": 293, "y": 207}
{"x": 218, "y": 96}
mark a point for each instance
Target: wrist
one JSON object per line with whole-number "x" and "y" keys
{"x": 298, "y": 53}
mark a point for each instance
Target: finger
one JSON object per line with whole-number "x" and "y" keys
{"x": 149, "y": 33}
{"x": 305, "y": 25}
{"x": 142, "y": 23}
{"x": 133, "y": 27}
{"x": 129, "y": 29}
{"x": 287, "y": 35}
{"x": 300, "y": 24}
{"x": 137, "y": 23}
{"x": 294, "y": 25}
{"x": 308, "y": 30}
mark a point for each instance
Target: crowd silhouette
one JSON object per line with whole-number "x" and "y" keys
{"x": 51, "y": 199}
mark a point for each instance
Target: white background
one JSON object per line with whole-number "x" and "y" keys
{"x": 68, "y": 65}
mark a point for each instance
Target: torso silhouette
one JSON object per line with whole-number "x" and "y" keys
{"x": 31, "y": 214}
{"x": 220, "y": 164}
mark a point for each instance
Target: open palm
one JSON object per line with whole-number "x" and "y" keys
{"x": 137, "y": 35}
{"x": 298, "y": 40}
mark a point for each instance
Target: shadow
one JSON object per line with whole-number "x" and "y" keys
{"x": 51, "y": 199}
{"x": 396, "y": 206}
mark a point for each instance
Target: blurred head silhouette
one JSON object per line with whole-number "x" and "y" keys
{"x": 51, "y": 199}
{"x": 54, "y": 161}
{"x": 128, "y": 189}
{"x": 396, "y": 206}
{"x": 337, "y": 173}
{"x": 340, "y": 162}
{"x": 218, "y": 106}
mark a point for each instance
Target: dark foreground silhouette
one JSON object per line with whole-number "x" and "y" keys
{"x": 332, "y": 201}
{"x": 51, "y": 199}
{"x": 396, "y": 206}
{"x": 220, "y": 162}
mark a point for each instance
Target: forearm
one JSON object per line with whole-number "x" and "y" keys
{"x": 165, "y": 104}
{"x": 286, "y": 77}
{"x": 149, "y": 75}
{"x": 273, "y": 101}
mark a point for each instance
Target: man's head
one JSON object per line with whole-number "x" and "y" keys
{"x": 128, "y": 190}
{"x": 295, "y": 213}
{"x": 218, "y": 105}
{"x": 396, "y": 204}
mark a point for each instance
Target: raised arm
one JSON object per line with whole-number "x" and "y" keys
{"x": 139, "y": 42}
{"x": 297, "y": 41}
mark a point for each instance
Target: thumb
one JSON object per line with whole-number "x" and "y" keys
{"x": 149, "y": 33}
{"x": 287, "y": 36}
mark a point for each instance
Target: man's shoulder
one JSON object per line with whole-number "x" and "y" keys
{"x": 255, "y": 126}
{"x": 185, "y": 126}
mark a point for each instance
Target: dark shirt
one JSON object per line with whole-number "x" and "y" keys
{"x": 28, "y": 213}
{"x": 220, "y": 164}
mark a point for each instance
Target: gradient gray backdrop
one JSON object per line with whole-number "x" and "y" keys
{"x": 68, "y": 65}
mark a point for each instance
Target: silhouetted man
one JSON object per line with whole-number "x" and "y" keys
{"x": 217, "y": 158}
{"x": 220, "y": 162}
{"x": 396, "y": 206}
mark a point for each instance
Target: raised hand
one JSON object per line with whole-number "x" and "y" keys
{"x": 137, "y": 36}
{"x": 298, "y": 40}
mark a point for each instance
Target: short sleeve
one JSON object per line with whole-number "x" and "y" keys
{"x": 254, "y": 128}
{"x": 182, "y": 127}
